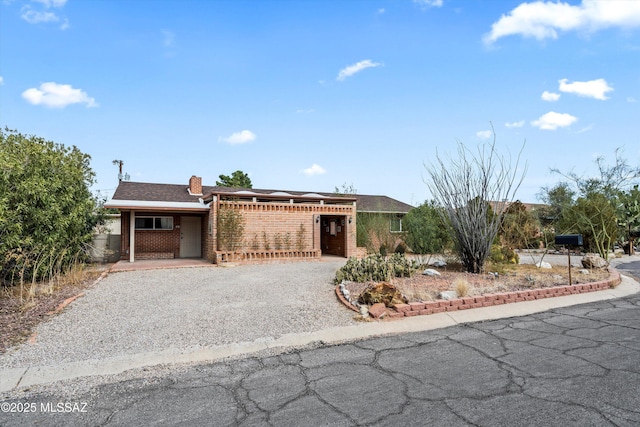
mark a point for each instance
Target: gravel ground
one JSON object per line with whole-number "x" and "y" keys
{"x": 187, "y": 308}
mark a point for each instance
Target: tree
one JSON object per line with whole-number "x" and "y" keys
{"x": 603, "y": 200}
{"x": 347, "y": 189}
{"x": 628, "y": 213}
{"x": 426, "y": 233}
{"x": 595, "y": 218}
{"x": 238, "y": 179}
{"x": 46, "y": 208}
{"x": 463, "y": 188}
{"x": 519, "y": 226}
{"x": 557, "y": 199}
{"x": 610, "y": 179}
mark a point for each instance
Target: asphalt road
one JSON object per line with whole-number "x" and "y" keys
{"x": 573, "y": 366}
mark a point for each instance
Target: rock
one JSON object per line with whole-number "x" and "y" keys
{"x": 439, "y": 264}
{"x": 584, "y": 271}
{"x": 447, "y": 295}
{"x": 557, "y": 278}
{"x": 431, "y": 272}
{"x": 384, "y": 293}
{"x": 378, "y": 310}
{"x": 364, "y": 311}
{"x": 543, "y": 264}
{"x": 594, "y": 261}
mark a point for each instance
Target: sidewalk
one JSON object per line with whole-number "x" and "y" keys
{"x": 14, "y": 378}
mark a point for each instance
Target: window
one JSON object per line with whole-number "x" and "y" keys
{"x": 395, "y": 224}
{"x": 154, "y": 223}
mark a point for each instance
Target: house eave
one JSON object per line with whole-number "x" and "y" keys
{"x": 146, "y": 205}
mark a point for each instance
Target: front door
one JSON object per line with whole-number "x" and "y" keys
{"x": 333, "y": 235}
{"x": 190, "y": 237}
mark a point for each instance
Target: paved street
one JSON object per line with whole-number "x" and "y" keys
{"x": 569, "y": 366}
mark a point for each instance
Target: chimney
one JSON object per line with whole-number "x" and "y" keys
{"x": 195, "y": 185}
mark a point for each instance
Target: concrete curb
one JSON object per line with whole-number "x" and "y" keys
{"x": 15, "y": 378}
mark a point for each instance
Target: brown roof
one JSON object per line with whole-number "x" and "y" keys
{"x": 366, "y": 203}
{"x": 143, "y": 191}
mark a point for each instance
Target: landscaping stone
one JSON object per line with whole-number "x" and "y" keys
{"x": 378, "y": 310}
{"x": 384, "y": 293}
{"x": 364, "y": 311}
{"x": 447, "y": 295}
{"x": 594, "y": 261}
{"x": 439, "y": 264}
{"x": 431, "y": 272}
{"x": 543, "y": 264}
{"x": 584, "y": 271}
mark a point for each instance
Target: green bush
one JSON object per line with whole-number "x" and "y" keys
{"x": 375, "y": 268}
{"x": 47, "y": 211}
{"x": 503, "y": 255}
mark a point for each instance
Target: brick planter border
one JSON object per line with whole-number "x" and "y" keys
{"x": 488, "y": 300}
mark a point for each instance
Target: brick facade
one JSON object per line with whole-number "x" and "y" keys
{"x": 155, "y": 244}
{"x": 274, "y": 229}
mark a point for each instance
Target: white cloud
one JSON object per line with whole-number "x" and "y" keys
{"x": 241, "y": 137}
{"x": 484, "y": 134}
{"x": 56, "y": 95}
{"x": 355, "y": 68}
{"x": 544, "y": 19}
{"x": 592, "y": 89}
{"x": 36, "y": 17}
{"x": 51, "y": 3}
{"x": 314, "y": 170}
{"x": 43, "y": 12}
{"x": 380, "y": 11}
{"x": 629, "y": 99}
{"x": 429, "y": 3}
{"x": 1, "y": 80}
{"x": 550, "y": 96}
{"x": 515, "y": 124}
{"x": 553, "y": 121}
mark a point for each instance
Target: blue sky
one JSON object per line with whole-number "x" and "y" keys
{"x": 308, "y": 95}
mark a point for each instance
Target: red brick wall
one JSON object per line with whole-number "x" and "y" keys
{"x": 159, "y": 241}
{"x": 284, "y": 219}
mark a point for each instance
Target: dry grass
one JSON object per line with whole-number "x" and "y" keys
{"x": 513, "y": 278}
{"x": 25, "y": 305}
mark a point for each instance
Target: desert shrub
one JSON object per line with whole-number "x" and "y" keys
{"x": 373, "y": 232}
{"x": 462, "y": 287}
{"x": 503, "y": 255}
{"x": 375, "y": 268}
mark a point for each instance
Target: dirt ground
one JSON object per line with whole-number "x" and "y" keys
{"x": 19, "y": 317}
{"x": 514, "y": 278}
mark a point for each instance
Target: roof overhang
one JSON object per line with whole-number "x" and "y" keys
{"x": 146, "y": 205}
{"x": 279, "y": 196}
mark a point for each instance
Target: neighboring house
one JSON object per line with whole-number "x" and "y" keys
{"x": 183, "y": 221}
{"x": 393, "y": 209}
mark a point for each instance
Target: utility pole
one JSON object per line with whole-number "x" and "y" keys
{"x": 119, "y": 163}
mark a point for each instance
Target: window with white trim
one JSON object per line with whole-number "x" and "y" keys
{"x": 154, "y": 223}
{"x": 395, "y": 224}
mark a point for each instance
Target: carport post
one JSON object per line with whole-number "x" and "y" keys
{"x": 132, "y": 235}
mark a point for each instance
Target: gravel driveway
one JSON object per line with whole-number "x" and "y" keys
{"x": 142, "y": 311}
